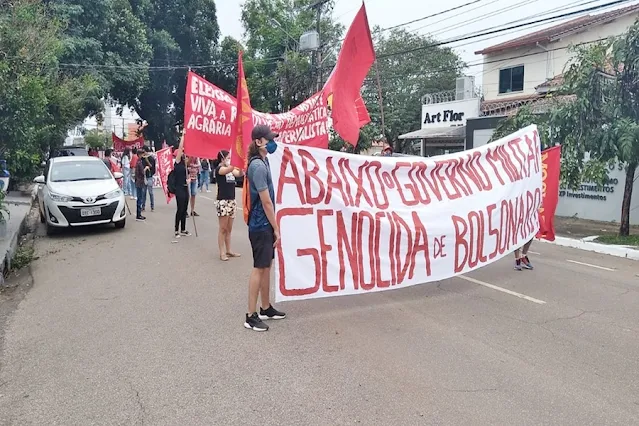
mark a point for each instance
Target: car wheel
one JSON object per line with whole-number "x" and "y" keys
{"x": 120, "y": 224}
{"x": 51, "y": 230}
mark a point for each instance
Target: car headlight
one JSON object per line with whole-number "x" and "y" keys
{"x": 60, "y": 198}
{"x": 113, "y": 194}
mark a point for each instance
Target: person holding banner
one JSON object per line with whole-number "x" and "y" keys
{"x": 521, "y": 257}
{"x": 225, "y": 204}
{"x": 193, "y": 166}
{"x": 263, "y": 230}
{"x": 181, "y": 191}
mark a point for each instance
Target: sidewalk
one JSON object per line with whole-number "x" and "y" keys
{"x": 598, "y": 237}
{"x": 19, "y": 207}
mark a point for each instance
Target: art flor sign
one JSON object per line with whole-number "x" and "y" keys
{"x": 449, "y": 114}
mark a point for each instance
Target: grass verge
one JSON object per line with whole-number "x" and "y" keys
{"x": 630, "y": 240}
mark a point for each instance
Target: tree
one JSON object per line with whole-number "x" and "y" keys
{"x": 181, "y": 33}
{"x": 39, "y": 102}
{"x": 105, "y": 40}
{"x": 96, "y": 139}
{"x": 405, "y": 79}
{"x": 279, "y": 76}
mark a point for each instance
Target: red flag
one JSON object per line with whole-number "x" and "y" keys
{"x": 551, "y": 168}
{"x": 342, "y": 90}
{"x": 241, "y": 132}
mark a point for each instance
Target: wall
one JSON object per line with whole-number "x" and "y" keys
{"x": 540, "y": 65}
{"x": 603, "y": 205}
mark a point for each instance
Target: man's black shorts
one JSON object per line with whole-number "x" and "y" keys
{"x": 262, "y": 245}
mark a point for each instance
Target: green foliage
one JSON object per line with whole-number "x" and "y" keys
{"x": 96, "y": 139}
{"x": 39, "y": 101}
{"x": 23, "y": 164}
{"x": 405, "y": 79}
{"x": 272, "y": 31}
{"x": 180, "y": 32}
{"x": 3, "y": 207}
{"x": 599, "y": 125}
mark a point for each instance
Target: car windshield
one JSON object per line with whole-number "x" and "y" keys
{"x": 77, "y": 171}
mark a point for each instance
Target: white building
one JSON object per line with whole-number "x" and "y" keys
{"x": 118, "y": 124}
{"x": 524, "y": 70}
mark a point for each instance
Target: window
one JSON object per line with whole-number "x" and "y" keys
{"x": 511, "y": 79}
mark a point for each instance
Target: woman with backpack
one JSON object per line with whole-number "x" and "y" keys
{"x": 225, "y": 204}
{"x": 178, "y": 186}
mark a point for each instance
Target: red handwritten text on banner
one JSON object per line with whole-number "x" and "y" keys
{"x": 352, "y": 224}
{"x": 209, "y": 113}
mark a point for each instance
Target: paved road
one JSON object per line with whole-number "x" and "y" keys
{"x": 125, "y": 328}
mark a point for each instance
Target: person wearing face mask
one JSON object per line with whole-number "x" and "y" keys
{"x": 225, "y": 204}
{"x": 263, "y": 230}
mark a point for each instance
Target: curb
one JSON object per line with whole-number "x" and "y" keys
{"x": 15, "y": 238}
{"x": 586, "y": 244}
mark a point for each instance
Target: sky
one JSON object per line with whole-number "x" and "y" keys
{"x": 477, "y": 17}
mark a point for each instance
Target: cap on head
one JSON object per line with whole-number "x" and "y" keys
{"x": 263, "y": 131}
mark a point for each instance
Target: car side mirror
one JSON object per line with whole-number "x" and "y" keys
{"x": 118, "y": 175}
{"x": 40, "y": 179}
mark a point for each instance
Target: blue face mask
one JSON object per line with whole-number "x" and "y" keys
{"x": 271, "y": 146}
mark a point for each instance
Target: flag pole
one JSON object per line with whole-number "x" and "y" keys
{"x": 381, "y": 103}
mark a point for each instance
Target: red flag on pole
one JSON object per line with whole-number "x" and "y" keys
{"x": 241, "y": 132}
{"x": 550, "y": 169}
{"x": 342, "y": 90}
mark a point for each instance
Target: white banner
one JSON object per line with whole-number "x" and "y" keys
{"x": 352, "y": 224}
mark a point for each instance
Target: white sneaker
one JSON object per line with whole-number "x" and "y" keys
{"x": 208, "y": 191}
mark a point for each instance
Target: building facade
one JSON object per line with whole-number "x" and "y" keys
{"x": 525, "y": 71}
{"x": 444, "y": 117}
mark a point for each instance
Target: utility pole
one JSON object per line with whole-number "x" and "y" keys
{"x": 317, "y": 62}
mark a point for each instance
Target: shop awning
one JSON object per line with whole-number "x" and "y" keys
{"x": 440, "y": 133}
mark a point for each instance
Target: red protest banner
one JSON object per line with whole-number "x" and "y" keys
{"x": 120, "y": 144}
{"x": 164, "y": 167}
{"x": 352, "y": 225}
{"x": 210, "y": 113}
{"x": 243, "y": 127}
{"x": 551, "y": 169}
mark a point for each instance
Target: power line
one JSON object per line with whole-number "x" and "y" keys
{"x": 468, "y": 36}
{"x": 431, "y": 16}
{"x": 496, "y": 31}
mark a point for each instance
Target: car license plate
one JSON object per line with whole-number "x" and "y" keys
{"x": 93, "y": 211}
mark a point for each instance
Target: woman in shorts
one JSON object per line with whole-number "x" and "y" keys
{"x": 225, "y": 175}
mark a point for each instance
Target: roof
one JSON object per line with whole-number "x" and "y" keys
{"x": 551, "y": 83}
{"x": 556, "y": 32}
{"x": 458, "y": 132}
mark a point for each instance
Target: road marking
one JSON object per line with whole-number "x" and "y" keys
{"x": 592, "y": 266}
{"x": 535, "y": 253}
{"x": 204, "y": 196}
{"x": 503, "y": 290}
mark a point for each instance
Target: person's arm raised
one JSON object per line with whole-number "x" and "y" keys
{"x": 180, "y": 150}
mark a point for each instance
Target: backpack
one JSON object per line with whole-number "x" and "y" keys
{"x": 170, "y": 182}
{"x": 247, "y": 205}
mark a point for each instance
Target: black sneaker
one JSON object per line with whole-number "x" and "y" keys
{"x": 271, "y": 314}
{"x": 140, "y": 218}
{"x": 185, "y": 233}
{"x": 254, "y": 323}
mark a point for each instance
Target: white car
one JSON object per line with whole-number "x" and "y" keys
{"x": 79, "y": 191}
